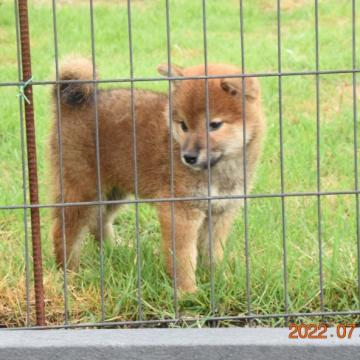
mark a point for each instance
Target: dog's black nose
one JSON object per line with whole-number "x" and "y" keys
{"x": 190, "y": 158}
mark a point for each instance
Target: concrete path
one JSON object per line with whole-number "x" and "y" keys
{"x": 144, "y": 344}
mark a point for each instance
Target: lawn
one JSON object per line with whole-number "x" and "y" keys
{"x": 265, "y": 227}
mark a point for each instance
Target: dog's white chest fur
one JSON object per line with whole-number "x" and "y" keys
{"x": 227, "y": 179}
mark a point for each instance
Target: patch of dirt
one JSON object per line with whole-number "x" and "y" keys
{"x": 337, "y": 100}
{"x": 13, "y": 301}
{"x": 6, "y": 37}
{"x": 95, "y": 2}
{"x": 295, "y": 112}
{"x": 286, "y": 5}
{"x": 334, "y": 99}
{"x": 185, "y": 54}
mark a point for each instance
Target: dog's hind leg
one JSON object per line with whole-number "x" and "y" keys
{"x": 108, "y": 216}
{"x": 77, "y": 220}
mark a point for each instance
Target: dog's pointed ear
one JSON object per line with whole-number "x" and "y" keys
{"x": 233, "y": 86}
{"x": 174, "y": 71}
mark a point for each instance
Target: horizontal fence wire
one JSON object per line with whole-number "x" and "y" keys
{"x": 178, "y": 320}
{"x": 197, "y": 320}
{"x": 176, "y": 199}
{"x": 183, "y": 78}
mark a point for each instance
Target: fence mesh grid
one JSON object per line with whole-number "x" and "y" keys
{"x": 23, "y": 83}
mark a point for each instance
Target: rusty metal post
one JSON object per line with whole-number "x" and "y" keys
{"x": 32, "y": 164}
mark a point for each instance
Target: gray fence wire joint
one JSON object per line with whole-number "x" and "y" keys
{"x": 22, "y": 88}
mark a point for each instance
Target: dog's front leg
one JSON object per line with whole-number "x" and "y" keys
{"x": 184, "y": 231}
{"x": 220, "y": 229}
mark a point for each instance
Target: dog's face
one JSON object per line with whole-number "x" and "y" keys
{"x": 222, "y": 136}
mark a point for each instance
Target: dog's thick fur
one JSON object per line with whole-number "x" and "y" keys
{"x": 77, "y": 110}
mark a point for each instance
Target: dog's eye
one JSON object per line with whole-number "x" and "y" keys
{"x": 183, "y": 126}
{"x": 214, "y": 125}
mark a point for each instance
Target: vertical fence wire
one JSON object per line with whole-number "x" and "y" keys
{"x": 32, "y": 161}
{"x": 207, "y": 119}
{"x": 246, "y": 236}
{"x": 171, "y": 148}
{"x": 134, "y": 150}
{"x": 282, "y": 180}
{"x": 356, "y": 166}
{"x": 23, "y": 169}
{"x": 98, "y": 168}
{"x": 61, "y": 167}
{"x": 318, "y": 180}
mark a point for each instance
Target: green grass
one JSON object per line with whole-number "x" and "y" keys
{"x": 338, "y": 213}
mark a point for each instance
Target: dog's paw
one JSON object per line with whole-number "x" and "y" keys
{"x": 109, "y": 233}
{"x": 186, "y": 290}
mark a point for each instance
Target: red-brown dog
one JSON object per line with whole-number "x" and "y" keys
{"x": 190, "y": 157}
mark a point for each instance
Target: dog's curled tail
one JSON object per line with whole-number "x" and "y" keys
{"x": 79, "y": 92}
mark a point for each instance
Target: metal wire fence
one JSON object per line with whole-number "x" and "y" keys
{"x": 25, "y": 85}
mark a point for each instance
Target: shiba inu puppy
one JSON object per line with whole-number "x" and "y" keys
{"x": 190, "y": 131}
